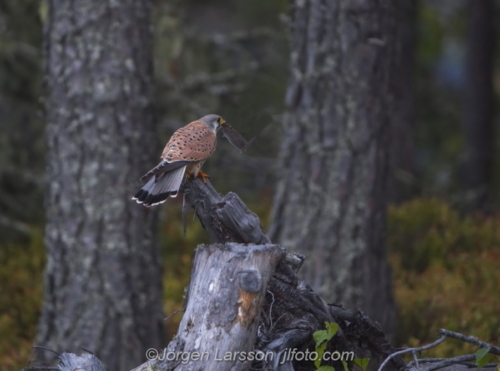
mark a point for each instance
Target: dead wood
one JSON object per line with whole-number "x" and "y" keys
{"x": 291, "y": 311}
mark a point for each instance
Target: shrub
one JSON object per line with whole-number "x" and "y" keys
{"x": 21, "y": 282}
{"x": 446, "y": 274}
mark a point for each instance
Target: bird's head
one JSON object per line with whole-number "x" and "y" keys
{"x": 214, "y": 122}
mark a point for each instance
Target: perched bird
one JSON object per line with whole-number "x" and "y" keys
{"x": 185, "y": 153}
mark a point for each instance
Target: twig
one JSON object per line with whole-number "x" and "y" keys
{"x": 427, "y": 360}
{"x": 177, "y": 311}
{"x": 47, "y": 349}
{"x": 451, "y": 361}
{"x": 270, "y": 309}
{"x": 469, "y": 364}
{"x": 431, "y": 360}
{"x": 415, "y": 358}
{"x": 432, "y": 345}
{"x": 444, "y": 362}
{"x": 470, "y": 339}
{"x": 14, "y": 224}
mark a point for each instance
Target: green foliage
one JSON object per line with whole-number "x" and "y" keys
{"x": 21, "y": 282}
{"x": 321, "y": 338}
{"x": 446, "y": 274}
{"x": 325, "y": 368}
{"x": 482, "y": 356}
{"x": 362, "y": 362}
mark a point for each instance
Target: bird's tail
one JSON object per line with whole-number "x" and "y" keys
{"x": 157, "y": 192}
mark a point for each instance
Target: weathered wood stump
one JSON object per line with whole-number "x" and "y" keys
{"x": 285, "y": 309}
{"x": 227, "y": 289}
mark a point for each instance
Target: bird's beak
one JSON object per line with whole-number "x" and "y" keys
{"x": 222, "y": 122}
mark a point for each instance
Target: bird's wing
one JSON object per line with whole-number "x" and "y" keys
{"x": 193, "y": 142}
{"x": 163, "y": 167}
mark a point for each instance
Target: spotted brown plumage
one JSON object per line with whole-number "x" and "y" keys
{"x": 193, "y": 142}
{"x": 185, "y": 153}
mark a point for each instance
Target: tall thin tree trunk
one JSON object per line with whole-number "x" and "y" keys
{"x": 103, "y": 278}
{"x": 331, "y": 195}
{"x": 478, "y": 103}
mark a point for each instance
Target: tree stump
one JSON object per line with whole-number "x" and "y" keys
{"x": 248, "y": 298}
{"x": 227, "y": 289}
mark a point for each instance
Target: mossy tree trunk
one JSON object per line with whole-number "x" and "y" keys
{"x": 103, "y": 278}
{"x": 334, "y": 167}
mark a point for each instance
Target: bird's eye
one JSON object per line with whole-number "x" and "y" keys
{"x": 218, "y": 120}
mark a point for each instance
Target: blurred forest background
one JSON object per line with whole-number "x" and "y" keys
{"x": 442, "y": 240}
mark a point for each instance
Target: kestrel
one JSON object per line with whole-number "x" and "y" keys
{"x": 185, "y": 153}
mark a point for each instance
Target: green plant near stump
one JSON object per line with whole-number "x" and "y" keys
{"x": 321, "y": 338}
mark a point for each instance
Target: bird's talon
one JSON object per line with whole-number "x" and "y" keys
{"x": 203, "y": 176}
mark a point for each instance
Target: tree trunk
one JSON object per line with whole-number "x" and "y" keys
{"x": 331, "y": 197}
{"x": 103, "y": 278}
{"x": 478, "y": 104}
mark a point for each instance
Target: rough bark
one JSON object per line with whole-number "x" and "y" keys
{"x": 103, "y": 277}
{"x": 478, "y": 104}
{"x": 227, "y": 289}
{"x": 331, "y": 196}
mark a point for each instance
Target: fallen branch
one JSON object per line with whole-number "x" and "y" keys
{"x": 470, "y": 339}
{"x": 439, "y": 363}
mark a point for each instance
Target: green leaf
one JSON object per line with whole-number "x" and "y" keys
{"x": 332, "y": 327}
{"x": 320, "y": 350}
{"x": 321, "y": 339}
{"x": 484, "y": 360}
{"x": 321, "y": 336}
{"x": 362, "y": 362}
{"x": 481, "y": 353}
{"x": 344, "y": 363}
{"x": 326, "y": 368}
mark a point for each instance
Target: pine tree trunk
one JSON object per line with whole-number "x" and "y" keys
{"x": 478, "y": 104}
{"x": 103, "y": 278}
{"x": 331, "y": 196}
